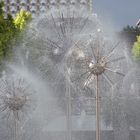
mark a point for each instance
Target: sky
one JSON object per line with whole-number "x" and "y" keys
{"x": 118, "y": 13}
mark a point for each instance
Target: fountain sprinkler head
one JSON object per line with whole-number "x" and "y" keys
{"x": 57, "y": 55}
{"x": 98, "y": 60}
{"x": 16, "y": 102}
{"x": 15, "y": 98}
{"x": 97, "y": 68}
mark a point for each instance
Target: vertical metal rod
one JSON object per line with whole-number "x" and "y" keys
{"x": 15, "y": 130}
{"x": 97, "y": 109}
{"x": 68, "y": 95}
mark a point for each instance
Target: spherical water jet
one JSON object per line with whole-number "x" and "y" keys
{"x": 15, "y": 103}
{"x": 98, "y": 55}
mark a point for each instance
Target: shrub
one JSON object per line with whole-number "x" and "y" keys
{"x": 136, "y": 49}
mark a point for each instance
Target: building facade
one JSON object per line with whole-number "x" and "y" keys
{"x": 42, "y": 6}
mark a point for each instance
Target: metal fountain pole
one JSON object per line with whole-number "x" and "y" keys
{"x": 97, "y": 109}
{"x": 68, "y": 119}
{"x": 97, "y": 97}
{"x": 14, "y": 130}
{"x": 98, "y": 72}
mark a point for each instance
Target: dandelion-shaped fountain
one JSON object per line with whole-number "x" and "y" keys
{"x": 15, "y": 103}
{"x": 92, "y": 59}
{"x": 55, "y": 34}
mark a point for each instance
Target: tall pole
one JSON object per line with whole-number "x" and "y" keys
{"x": 97, "y": 109}
{"x": 68, "y": 119}
{"x": 15, "y": 130}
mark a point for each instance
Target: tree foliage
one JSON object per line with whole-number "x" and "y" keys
{"x": 130, "y": 33}
{"x": 21, "y": 19}
{"x": 7, "y": 31}
{"x": 10, "y": 29}
{"x": 136, "y": 48}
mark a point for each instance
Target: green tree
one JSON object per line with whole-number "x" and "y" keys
{"x": 136, "y": 49}
{"x": 21, "y": 20}
{"x": 7, "y": 31}
{"x": 10, "y": 30}
{"x": 1, "y": 5}
{"x": 130, "y": 33}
